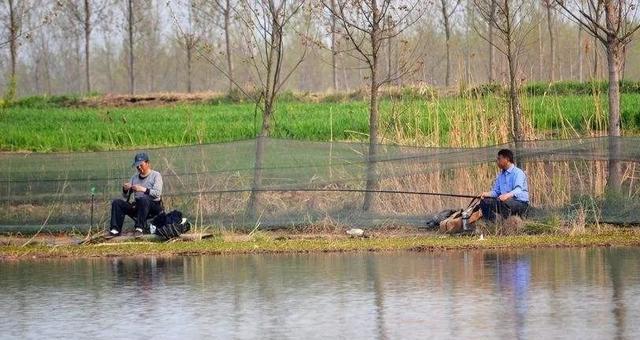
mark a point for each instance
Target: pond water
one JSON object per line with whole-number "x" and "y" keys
{"x": 547, "y": 293}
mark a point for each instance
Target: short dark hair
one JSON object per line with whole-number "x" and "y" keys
{"x": 506, "y": 153}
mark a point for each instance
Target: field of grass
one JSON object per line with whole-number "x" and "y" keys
{"x": 263, "y": 243}
{"x": 450, "y": 121}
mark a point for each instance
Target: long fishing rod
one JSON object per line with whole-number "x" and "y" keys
{"x": 235, "y": 191}
{"x": 401, "y": 192}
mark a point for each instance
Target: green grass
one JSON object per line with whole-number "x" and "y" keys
{"x": 45, "y": 126}
{"x": 620, "y": 237}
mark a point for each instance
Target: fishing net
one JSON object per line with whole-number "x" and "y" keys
{"x": 300, "y": 183}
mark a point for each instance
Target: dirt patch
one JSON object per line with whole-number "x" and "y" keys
{"x": 152, "y": 99}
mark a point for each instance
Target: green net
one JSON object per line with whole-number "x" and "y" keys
{"x": 299, "y": 183}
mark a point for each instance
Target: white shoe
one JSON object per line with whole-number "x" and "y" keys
{"x": 139, "y": 230}
{"x": 114, "y": 232}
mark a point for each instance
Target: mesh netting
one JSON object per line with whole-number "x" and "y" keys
{"x": 320, "y": 183}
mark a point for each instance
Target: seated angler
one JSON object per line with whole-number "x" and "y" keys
{"x": 146, "y": 187}
{"x": 510, "y": 193}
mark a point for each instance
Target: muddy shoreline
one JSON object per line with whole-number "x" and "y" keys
{"x": 66, "y": 246}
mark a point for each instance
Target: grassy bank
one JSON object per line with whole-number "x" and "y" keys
{"x": 324, "y": 243}
{"x": 46, "y": 126}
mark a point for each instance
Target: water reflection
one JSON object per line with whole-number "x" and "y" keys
{"x": 512, "y": 276}
{"x": 590, "y": 293}
{"x": 615, "y": 269}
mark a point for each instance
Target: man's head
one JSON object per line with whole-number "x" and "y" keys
{"x": 504, "y": 159}
{"x": 141, "y": 162}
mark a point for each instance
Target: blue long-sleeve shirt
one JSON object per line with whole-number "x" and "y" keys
{"x": 512, "y": 180}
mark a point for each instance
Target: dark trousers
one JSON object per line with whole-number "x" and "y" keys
{"x": 492, "y": 206}
{"x": 139, "y": 211}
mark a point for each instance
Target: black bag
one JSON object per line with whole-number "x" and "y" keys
{"x": 433, "y": 222}
{"x": 170, "y": 225}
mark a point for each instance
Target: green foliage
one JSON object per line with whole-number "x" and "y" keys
{"x": 10, "y": 94}
{"x": 484, "y": 90}
{"x": 566, "y": 88}
{"x": 45, "y": 102}
{"x": 425, "y": 93}
{"x": 60, "y": 123}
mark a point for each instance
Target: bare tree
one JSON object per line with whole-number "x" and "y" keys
{"x": 225, "y": 8}
{"x": 86, "y": 13}
{"x": 447, "y": 9}
{"x": 219, "y": 13}
{"x": 491, "y": 40}
{"x": 265, "y": 24}
{"x": 13, "y": 17}
{"x": 615, "y": 31}
{"x": 44, "y": 60}
{"x": 366, "y": 25}
{"x": 189, "y": 39}
{"x": 549, "y": 6}
{"x": 469, "y": 19}
{"x": 21, "y": 19}
{"x": 512, "y": 27}
{"x": 595, "y": 9}
{"x": 580, "y": 55}
{"x": 334, "y": 48}
{"x": 129, "y": 28}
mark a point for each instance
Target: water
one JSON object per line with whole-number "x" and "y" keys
{"x": 545, "y": 294}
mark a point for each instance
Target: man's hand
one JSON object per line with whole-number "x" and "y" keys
{"x": 504, "y": 197}
{"x": 139, "y": 188}
{"x": 126, "y": 186}
{"x": 485, "y": 195}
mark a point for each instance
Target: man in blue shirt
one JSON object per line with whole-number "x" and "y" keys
{"x": 510, "y": 192}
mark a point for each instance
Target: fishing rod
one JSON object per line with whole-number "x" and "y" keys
{"x": 401, "y": 192}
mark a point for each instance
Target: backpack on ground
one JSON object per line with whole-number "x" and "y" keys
{"x": 170, "y": 225}
{"x": 455, "y": 223}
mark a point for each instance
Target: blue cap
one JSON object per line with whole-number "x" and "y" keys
{"x": 139, "y": 158}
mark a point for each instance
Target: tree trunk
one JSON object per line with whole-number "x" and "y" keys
{"x": 334, "y": 66}
{"x": 595, "y": 59}
{"x": 389, "y": 56}
{"x": 189, "y": 53}
{"x": 77, "y": 74}
{"x": 514, "y": 99}
{"x": 36, "y": 75}
{"x": 615, "y": 49}
{"x": 552, "y": 45}
{"x": 108, "y": 61}
{"x": 13, "y": 51}
{"x": 467, "y": 43}
{"x": 261, "y": 146}
{"x": 492, "y": 51}
{"x": 273, "y": 64}
{"x": 372, "y": 178}
{"x": 345, "y": 80}
{"x": 580, "y": 54}
{"x": 87, "y": 41}
{"x": 447, "y": 36}
{"x": 47, "y": 72}
{"x": 540, "y": 52}
{"x": 614, "y": 56}
{"x": 623, "y": 63}
{"x": 227, "y": 42}
{"x": 131, "y": 55}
